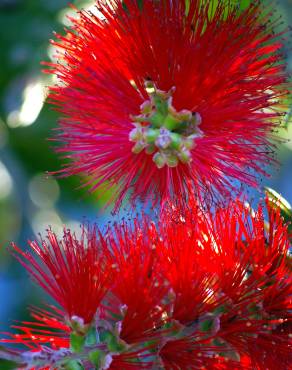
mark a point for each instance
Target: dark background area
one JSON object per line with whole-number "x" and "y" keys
{"x": 30, "y": 200}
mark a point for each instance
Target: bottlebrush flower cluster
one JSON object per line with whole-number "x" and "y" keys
{"x": 195, "y": 291}
{"x": 160, "y": 98}
{"x": 172, "y": 102}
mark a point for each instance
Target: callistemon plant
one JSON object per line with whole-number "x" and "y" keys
{"x": 162, "y": 97}
{"x": 175, "y": 103}
{"x": 192, "y": 291}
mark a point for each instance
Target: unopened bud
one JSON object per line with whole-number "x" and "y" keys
{"x": 150, "y": 149}
{"x": 185, "y": 156}
{"x": 136, "y": 134}
{"x": 140, "y": 118}
{"x": 77, "y": 321}
{"x": 184, "y": 115}
{"x": 159, "y": 160}
{"x": 146, "y": 107}
{"x": 149, "y": 87}
{"x": 188, "y": 143}
{"x": 171, "y": 160}
{"x": 138, "y": 147}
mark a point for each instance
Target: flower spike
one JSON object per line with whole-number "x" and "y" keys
{"x": 72, "y": 271}
{"x": 159, "y": 100}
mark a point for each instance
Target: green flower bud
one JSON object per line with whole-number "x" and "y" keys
{"x": 136, "y": 134}
{"x": 176, "y": 140}
{"x": 146, "y": 107}
{"x": 150, "y": 149}
{"x": 185, "y": 156}
{"x": 138, "y": 147}
{"x": 188, "y": 143}
{"x": 184, "y": 115}
{"x": 172, "y": 160}
{"x": 159, "y": 160}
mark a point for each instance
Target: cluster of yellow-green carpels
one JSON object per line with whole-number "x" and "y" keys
{"x": 163, "y": 132}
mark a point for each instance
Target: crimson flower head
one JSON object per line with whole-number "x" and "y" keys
{"x": 158, "y": 98}
{"x": 72, "y": 271}
{"x": 230, "y": 276}
{"x": 196, "y": 290}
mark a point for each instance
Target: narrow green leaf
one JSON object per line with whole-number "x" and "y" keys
{"x": 77, "y": 342}
{"x": 113, "y": 343}
{"x": 91, "y": 337}
{"x": 276, "y": 200}
{"x": 206, "y": 325}
{"x": 96, "y": 357}
{"x": 73, "y": 365}
{"x": 140, "y": 4}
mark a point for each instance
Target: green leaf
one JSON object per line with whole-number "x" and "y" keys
{"x": 113, "y": 343}
{"x": 91, "y": 337}
{"x": 210, "y": 323}
{"x": 288, "y": 116}
{"x": 220, "y": 309}
{"x": 206, "y": 325}
{"x": 73, "y": 365}
{"x": 276, "y": 200}
{"x": 96, "y": 358}
{"x": 187, "y": 5}
{"x": 77, "y": 342}
{"x": 140, "y": 4}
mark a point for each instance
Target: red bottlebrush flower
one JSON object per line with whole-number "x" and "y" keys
{"x": 186, "y": 265}
{"x": 139, "y": 288}
{"x": 257, "y": 280}
{"x": 163, "y": 100}
{"x": 229, "y": 274}
{"x": 73, "y": 272}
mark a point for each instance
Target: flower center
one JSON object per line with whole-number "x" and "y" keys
{"x": 166, "y": 134}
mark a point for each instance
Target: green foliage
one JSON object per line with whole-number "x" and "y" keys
{"x": 73, "y": 365}
{"x": 206, "y": 325}
{"x": 276, "y": 199}
{"x": 241, "y": 4}
{"x": 96, "y": 358}
{"x": 77, "y": 342}
{"x": 288, "y": 117}
{"x": 112, "y": 341}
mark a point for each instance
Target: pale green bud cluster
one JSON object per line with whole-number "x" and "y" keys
{"x": 160, "y": 130}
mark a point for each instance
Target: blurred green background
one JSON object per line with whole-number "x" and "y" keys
{"x": 29, "y": 199}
